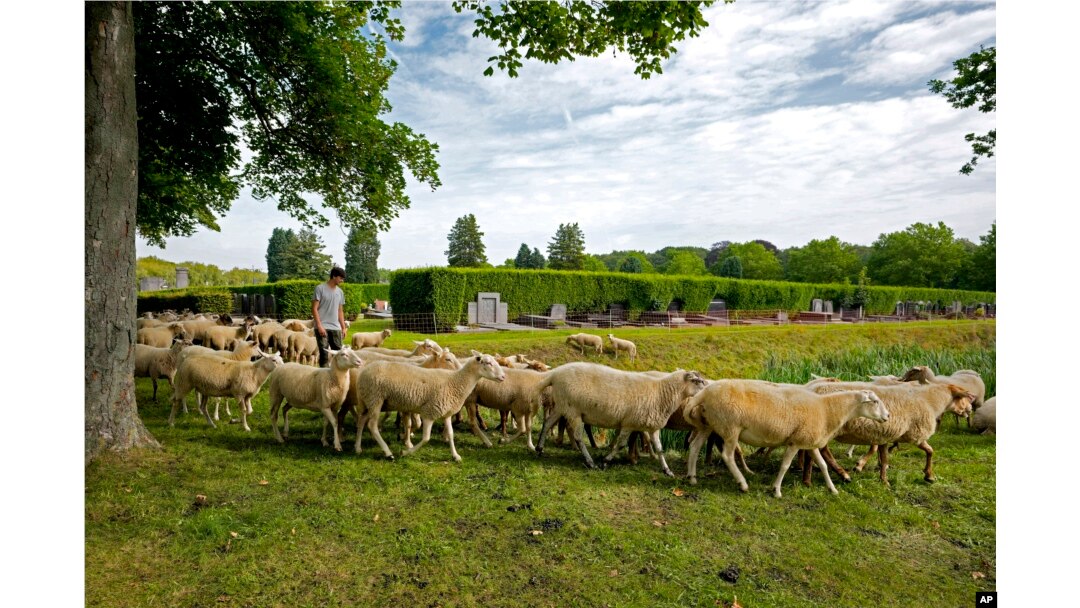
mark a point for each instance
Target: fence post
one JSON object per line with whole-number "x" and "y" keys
{"x": 435, "y": 322}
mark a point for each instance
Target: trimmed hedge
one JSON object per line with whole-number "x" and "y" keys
{"x": 292, "y": 298}
{"x": 447, "y": 292}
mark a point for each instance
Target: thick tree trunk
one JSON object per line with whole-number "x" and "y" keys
{"x": 112, "y": 420}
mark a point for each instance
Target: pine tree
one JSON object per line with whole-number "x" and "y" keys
{"x": 466, "y": 248}
{"x": 523, "y": 258}
{"x": 537, "y": 259}
{"x": 567, "y": 250}
{"x": 304, "y": 258}
{"x": 280, "y": 240}
{"x": 362, "y": 255}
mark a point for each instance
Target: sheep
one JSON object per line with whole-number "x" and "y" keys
{"x": 435, "y": 394}
{"x": 320, "y": 390}
{"x": 767, "y": 414}
{"x": 629, "y": 401}
{"x": 298, "y": 324}
{"x": 371, "y": 338}
{"x": 197, "y": 327}
{"x": 966, "y": 378}
{"x": 618, "y": 344}
{"x": 152, "y": 362}
{"x": 516, "y": 394}
{"x": 223, "y": 337}
{"x": 220, "y": 377}
{"x": 242, "y": 351}
{"x": 584, "y": 340}
{"x": 985, "y": 419}
{"x": 423, "y": 347}
{"x": 162, "y": 337}
{"x": 303, "y": 348}
{"x": 913, "y": 413}
{"x": 144, "y": 322}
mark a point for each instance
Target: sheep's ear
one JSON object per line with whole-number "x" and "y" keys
{"x": 477, "y": 354}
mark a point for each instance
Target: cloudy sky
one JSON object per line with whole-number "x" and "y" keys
{"x": 783, "y": 121}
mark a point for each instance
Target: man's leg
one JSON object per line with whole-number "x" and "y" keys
{"x": 322, "y": 341}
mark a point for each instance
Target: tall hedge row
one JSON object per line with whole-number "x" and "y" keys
{"x": 293, "y": 298}
{"x": 447, "y": 292}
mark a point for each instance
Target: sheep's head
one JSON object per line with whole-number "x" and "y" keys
{"x": 692, "y": 383}
{"x": 179, "y": 344}
{"x": 539, "y": 366}
{"x": 270, "y": 362}
{"x": 922, "y": 373}
{"x": 386, "y": 332}
{"x": 871, "y": 406}
{"x": 488, "y": 367}
{"x": 961, "y": 400}
{"x": 346, "y": 358}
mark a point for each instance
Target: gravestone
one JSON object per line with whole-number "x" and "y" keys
{"x": 472, "y": 313}
{"x": 380, "y": 305}
{"x": 815, "y": 305}
{"x": 502, "y": 313}
{"x": 487, "y": 307}
{"x": 151, "y": 283}
{"x": 828, "y": 307}
{"x": 717, "y": 306}
{"x": 899, "y": 309}
{"x": 181, "y": 277}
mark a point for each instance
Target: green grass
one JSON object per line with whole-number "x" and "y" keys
{"x": 460, "y": 534}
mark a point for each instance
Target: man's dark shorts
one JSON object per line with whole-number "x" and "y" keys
{"x": 332, "y": 341}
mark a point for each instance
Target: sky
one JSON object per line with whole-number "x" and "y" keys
{"x": 783, "y": 121}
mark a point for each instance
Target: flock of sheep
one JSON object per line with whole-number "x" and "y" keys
{"x": 429, "y": 384}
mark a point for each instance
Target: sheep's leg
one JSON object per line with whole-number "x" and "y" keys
{"x": 658, "y": 449}
{"x": 588, "y": 431}
{"x": 620, "y": 439}
{"x": 520, "y": 428}
{"x": 473, "y": 414}
{"x": 728, "y": 454}
{"x": 578, "y": 425}
{"x": 859, "y": 466}
{"x": 929, "y": 470}
{"x": 883, "y": 465}
{"x": 427, "y": 422}
{"x": 448, "y": 432}
{"x": 205, "y": 410}
{"x": 807, "y": 467}
{"x": 373, "y": 426}
{"x": 739, "y": 453}
{"x": 242, "y": 402}
{"x": 851, "y": 450}
{"x": 153, "y": 380}
{"x": 549, "y": 420}
{"x": 789, "y": 455}
{"x": 285, "y": 415}
{"x": 177, "y": 398}
{"x": 827, "y": 454}
{"x": 407, "y": 429}
{"x": 331, "y": 419}
{"x": 361, "y": 422}
{"x": 528, "y": 422}
{"x": 697, "y": 438}
{"x": 275, "y": 403}
{"x": 824, "y": 469}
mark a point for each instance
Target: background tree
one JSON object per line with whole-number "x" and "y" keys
{"x": 715, "y": 252}
{"x": 537, "y": 260}
{"x": 685, "y": 262}
{"x": 280, "y": 239}
{"x": 523, "y": 259}
{"x": 757, "y": 262}
{"x": 304, "y": 258}
{"x": 362, "y": 255}
{"x": 301, "y": 86}
{"x": 566, "y": 251}
{"x": 979, "y": 271}
{"x": 975, "y": 83}
{"x": 636, "y": 262}
{"x": 730, "y": 267}
{"x": 661, "y": 258}
{"x": 823, "y": 261}
{"x": 922, "y": 255}
{"x": 466, "y": 248}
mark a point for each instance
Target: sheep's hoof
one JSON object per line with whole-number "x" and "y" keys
{"x": 744, "y": 489}
{"x": 539, "y": 451}
{"x": 390, "y": 457}
{"x": 929, "y": 479}
{"x": 692, "y": 481}
{"x": 457, "y": 458}
{"x": 778, "y": 494}
{"x": 669, "y": 473}
{"x": 845, "y": 478}
{"x": 834, "y": 491}
{"x": 337, "y": 448}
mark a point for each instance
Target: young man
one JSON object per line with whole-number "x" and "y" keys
{"x": 328, "y": 310}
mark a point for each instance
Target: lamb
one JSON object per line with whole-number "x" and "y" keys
{"x": 965, "y": 378}
{"x": 162, "y": 337}
{"x": 435, "y": 394}
{"x": 371, "y": 338}
{"x": 516, "y": 394}
{"x": 767, "y": 414}
{"x": 320, "y": 390}
{"x": 220, "y": 377}
{"x": 985, "y": 419}
{"x": 152, "y": 362}
{"x": 618, "y": 344}
{"x": 224, "y": 337}
{"x": 584, "y": 340}
{"x": 629, "y": 401}
{"x": 913, "y": 413}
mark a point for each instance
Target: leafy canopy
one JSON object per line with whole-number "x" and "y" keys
{"x": 922, "y": 255}
{"x": 757, "y": 262}
{"x": 823, "y": 261}
{"x": 299, "y": 84}
{"x": 975, "y": 83}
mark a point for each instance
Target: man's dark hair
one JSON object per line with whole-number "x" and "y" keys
{"x": 337, "y": 271}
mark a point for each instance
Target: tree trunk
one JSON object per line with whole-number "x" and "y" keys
{"x": 112, "y": 420}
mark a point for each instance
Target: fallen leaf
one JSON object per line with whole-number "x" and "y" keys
{"x": 294, "y": 531}
{"x": 808, "y": 568}
{"x": 234, "y": 534}
{"x": 735, "y": 602}
{"x": 222, "y": 598}
{"x": 536, "y": 532}
{"x": 128, "y": 490}
{"x": 613, "y": 573}
{"x": 376, "y": 518}
{"x": 658, "y": 523}
{"x": 603, "y": 494}
{"x": 977, "y": 575}
{"x": 263, "y": 482}
{"x": 678, "y": 492}
{"x": 200, "y": 499}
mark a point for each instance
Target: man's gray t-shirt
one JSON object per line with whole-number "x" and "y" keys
{"x": 329, "y": 301}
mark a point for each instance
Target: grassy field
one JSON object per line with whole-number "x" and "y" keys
{"x": 298, "y": 525}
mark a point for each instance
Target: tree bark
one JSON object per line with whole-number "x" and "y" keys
{"x": 112, "y": 420}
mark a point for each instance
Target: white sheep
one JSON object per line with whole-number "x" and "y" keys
{"x": 423, "y": 347}
{"x": 606, "y": 397}
{"x": 298, "y": 324}
{"x": 618, "y": 344}
{"x": 966, "y": 378}
{"x": 223, "y": 337}
{"x": 516, "y": 394}
{"x": 303, "y": 348}
{"x": 583, "y": 340}
{"x": 316, "y": 389}
{"x": 913, "y": 413}
{"x": 241, "y": 351}
{"x": 263, "y": 333}
{"x": 221, "y": 377}
{"x": 767, "y": 414}
{"x": 162, "y": 337}
{"x": 985, "y": 419}
{"x": 435, "y": 394}
{"x": 152, "y": 362}
{"x": 370, "y": 338}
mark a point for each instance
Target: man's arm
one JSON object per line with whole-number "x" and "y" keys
{"x": 341, "y": 319}
{"x": 315, "y": 314}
